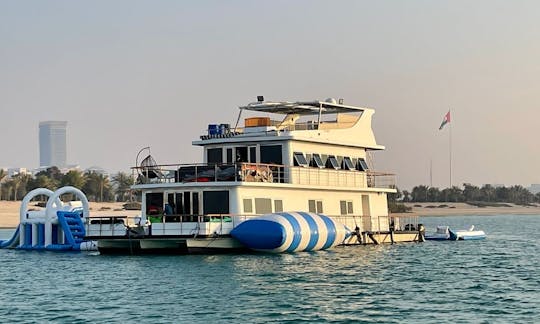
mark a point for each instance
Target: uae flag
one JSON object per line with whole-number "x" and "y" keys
{"x": 446, "y": 120}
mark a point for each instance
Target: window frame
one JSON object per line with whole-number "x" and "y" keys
{"x": 332, "y": 163}
{"x": 317, "y": 204}
{"x": 275, "y": 201}
{"x": 300, "y": 159}
{"x": 348, "y": 164}
{"x": 346, "y": 207}
{"x": 317, "y": 161}
{"x": 252, "y": 211}
{"x": 361, "y": 165}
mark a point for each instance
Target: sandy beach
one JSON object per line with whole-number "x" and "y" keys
{"x": 9, "y": 211}
{"x": 456, "y": 209}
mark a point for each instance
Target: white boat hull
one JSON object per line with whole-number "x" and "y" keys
{"x": 444, "y": 233}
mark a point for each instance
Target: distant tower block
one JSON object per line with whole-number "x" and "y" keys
{"x": 52, "y": 143}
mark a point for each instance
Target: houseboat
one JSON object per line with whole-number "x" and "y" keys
{"x": 281, "y": 162}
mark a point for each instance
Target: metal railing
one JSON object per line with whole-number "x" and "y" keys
{"x": 193, "y": 225}
{"x": 261, "y": 172}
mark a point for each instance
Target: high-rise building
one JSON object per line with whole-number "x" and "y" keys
{"x": 52, "y": 143}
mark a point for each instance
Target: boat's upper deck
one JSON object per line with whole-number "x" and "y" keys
{"x": 314, "y": 121}
{"x": 174, "y": 175}
{"x": 315, "y": 143}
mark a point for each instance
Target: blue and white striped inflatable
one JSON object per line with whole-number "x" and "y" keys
{"x": 290, "y": 232}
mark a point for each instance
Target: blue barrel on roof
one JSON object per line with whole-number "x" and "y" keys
{"x": 290, "y": 232}
{"x": 213, "y": 129}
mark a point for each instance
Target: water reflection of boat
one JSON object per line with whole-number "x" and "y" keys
{"x": 444, "y": 233}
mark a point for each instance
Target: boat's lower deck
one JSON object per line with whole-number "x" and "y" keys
{"x": 225, "y": 244}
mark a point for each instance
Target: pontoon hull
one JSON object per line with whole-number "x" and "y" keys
{"x": 169, "y": 245}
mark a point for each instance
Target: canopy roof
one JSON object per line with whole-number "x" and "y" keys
{"x": 301, "y": 107}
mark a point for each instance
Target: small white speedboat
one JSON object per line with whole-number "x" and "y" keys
{"x": 470, "y": 234}
{"x": 444, "y": 233}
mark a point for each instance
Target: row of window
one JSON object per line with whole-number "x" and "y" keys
{"x": 267, "y": 154}
{"x": 272, "y": 154}
{"x": 217, "y": 202}
{"x": 264, "y": 206}
{"x": 329, "y": 161}
{"x": 187, "y": 203}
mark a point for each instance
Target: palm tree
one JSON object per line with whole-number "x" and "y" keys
{"x": 123, "y": 182}
{"x": 406, "y": 196}
{"x": 8, "y": 188}
{"x": 419, "y": 193}
{"x": 471, "y": 193}
{"x": 23, "y": 180}
{"x": 41, "y": 181}
{"x": 73, "y": 178}
{"x": 433, "y": 194}
{"x": 16, "y": 182}
{"x": 488, "y": 192}
{"x": 2, "y": 176}
{"x": 97, "y": 186}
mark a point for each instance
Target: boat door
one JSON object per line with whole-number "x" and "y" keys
{"x": 366, "y": 215}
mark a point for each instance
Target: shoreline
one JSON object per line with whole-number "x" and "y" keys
{"x": 9, "y": 211}
{"x": 463, "y": 209}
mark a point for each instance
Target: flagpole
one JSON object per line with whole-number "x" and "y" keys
{"x": 450, "y": 150}
{"x": 431, "y": 173}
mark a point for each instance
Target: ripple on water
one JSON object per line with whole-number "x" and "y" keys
{"x": 495, "y": 280}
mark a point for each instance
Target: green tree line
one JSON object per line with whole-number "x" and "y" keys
{"x": 96, "y": 186}
{"x": 487, "y": 193}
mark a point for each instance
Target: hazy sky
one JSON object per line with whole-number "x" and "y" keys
{"x": 130, "y": 74}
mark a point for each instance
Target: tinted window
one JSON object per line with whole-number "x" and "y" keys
{"x": 317, "y": 161}
{"x": 362, "y": 165}
{"x": 215, "y": 155}
{"x": 332, "y": 163}
{"x": 347, "y": 163}
{"x": 216, "y": 202}
{"x": 187, "y": 202}
{"x": 154, "y": 203}
{"x": 271, "y": 154}
{"x": 241, "y": 154}
{"x": 179, "y": 204}
{"x": 299, "y": 159}
{"x": 252, "y": 154}
{"x": 195, "y": 203}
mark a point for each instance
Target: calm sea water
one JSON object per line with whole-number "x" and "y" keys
{"x": 496, "y": 280}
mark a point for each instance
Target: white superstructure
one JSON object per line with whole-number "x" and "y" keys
{"x": 308, "y": 156}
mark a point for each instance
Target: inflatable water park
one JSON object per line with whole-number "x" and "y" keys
{"x": 57, "y": 227}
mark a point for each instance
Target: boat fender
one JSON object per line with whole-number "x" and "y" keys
{"x": 421, "y": 233}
